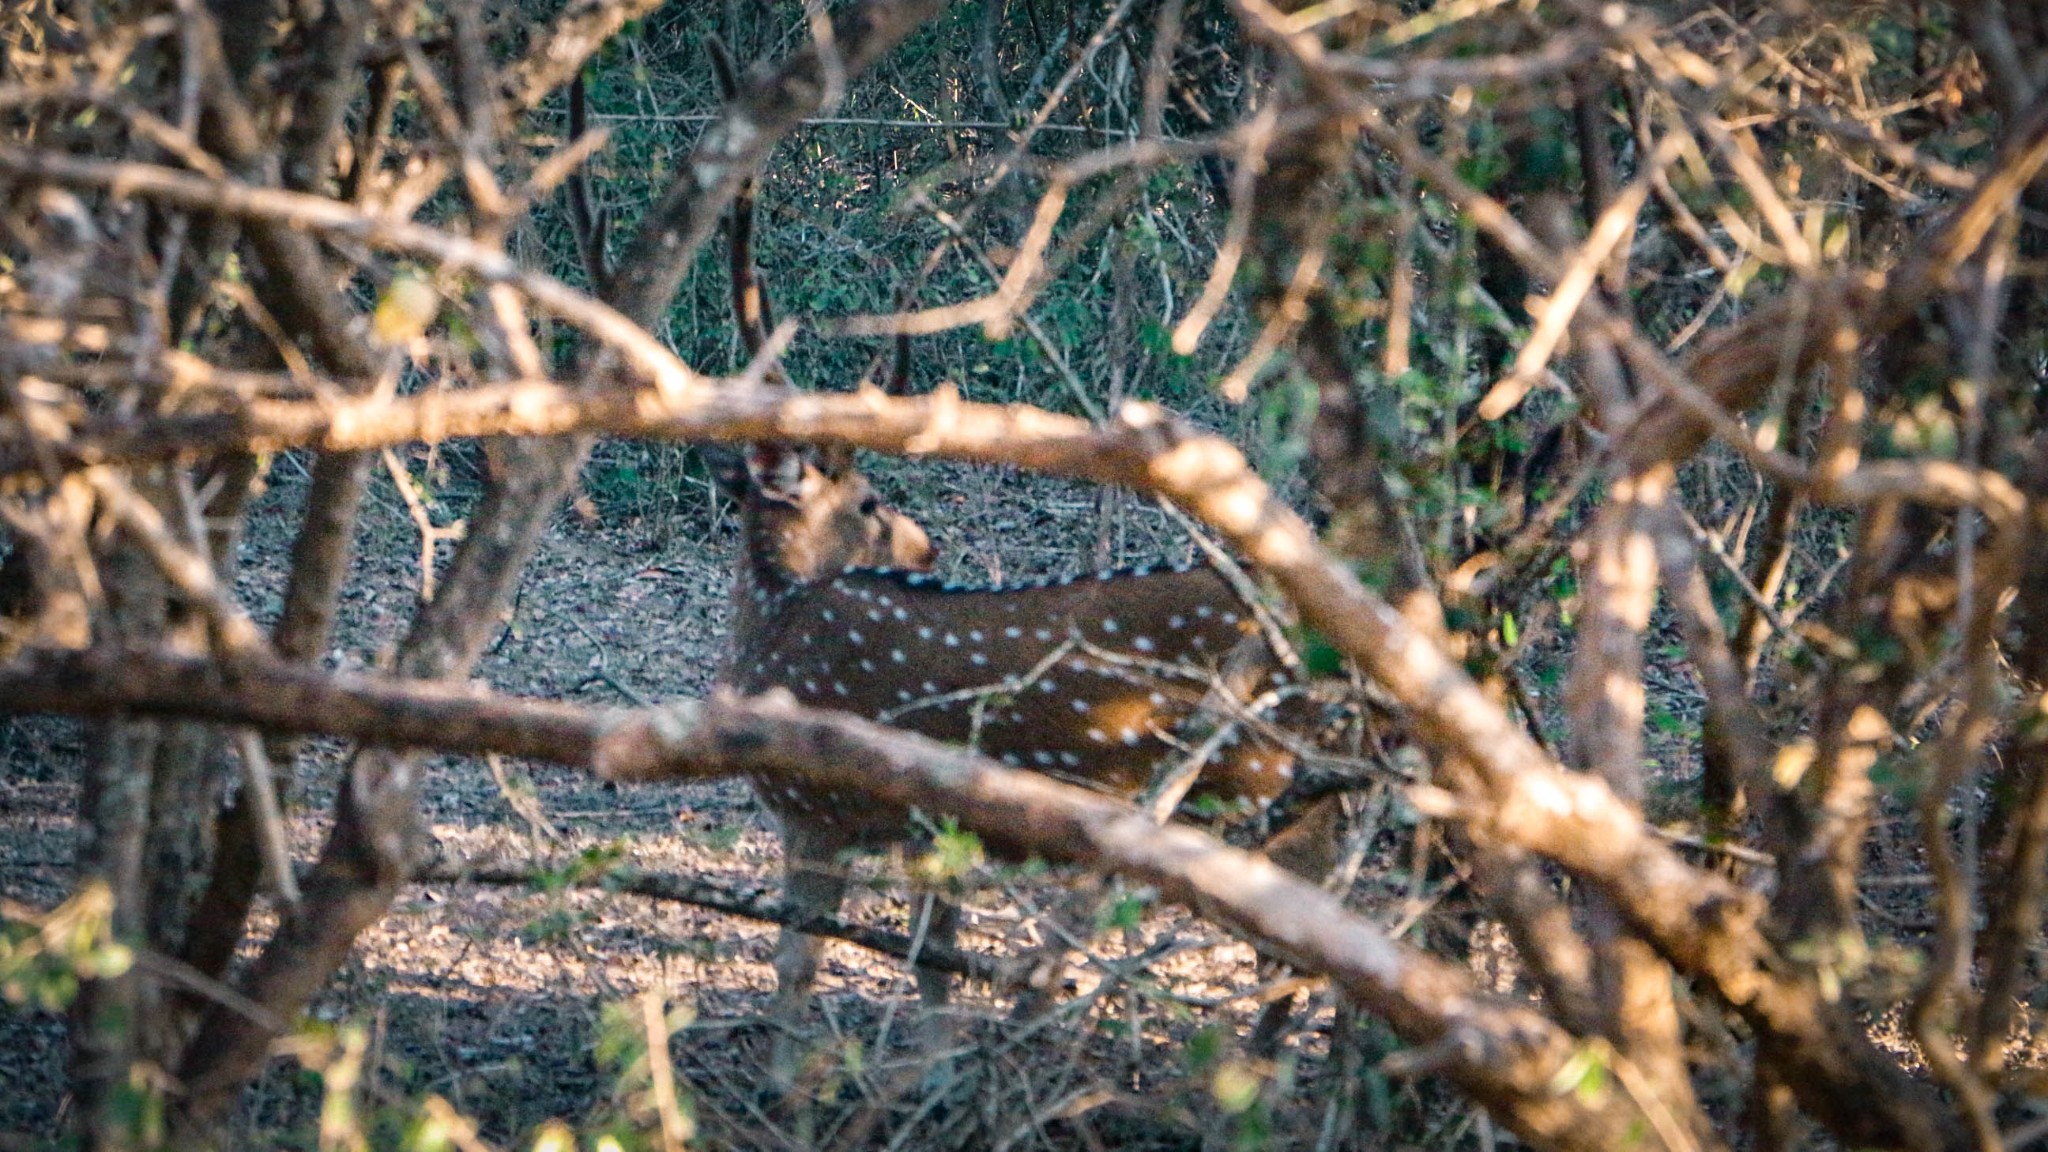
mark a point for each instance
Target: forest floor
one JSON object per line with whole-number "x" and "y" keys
{"x": 494, "y": 996}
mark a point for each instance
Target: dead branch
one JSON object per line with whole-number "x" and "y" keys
{"x": 579, "y": 30}
{"x": 749, "y": 904}
{"x": 1505, "y": 1054}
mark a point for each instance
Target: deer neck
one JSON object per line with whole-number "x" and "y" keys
{"x": 761, "y": 583}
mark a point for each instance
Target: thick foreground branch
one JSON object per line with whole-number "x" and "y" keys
{"x": 1504, "y": 1054}
{"x": 299, "y": 700}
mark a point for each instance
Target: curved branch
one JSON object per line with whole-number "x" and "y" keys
{"x": 1504, "y": 1053}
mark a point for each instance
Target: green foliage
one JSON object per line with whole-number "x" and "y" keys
{"x": 1126, "y": 913}
{"x": 954, "y": 855}
{"x": 1928, "y": 426}
{"x": 1286, "y": 412}
{"x": 1205, "y": 1047}
{"x": 553, "y": 926}
{"x": 1319, "y": 657}
{"x": 1587, "y": 1072}
{"x": 1485, "y": 162}
{"x": 1664, "y": 721}
{"x": 1902, "y": 775}
{"x": 602, "y": 860}
{"x": 659, "y": 482}
{"x": 648, "y": 1101}
{"x": 1213, "y": 807}
{"x": 44, "y": 957}
{"x": 721, "y": 837}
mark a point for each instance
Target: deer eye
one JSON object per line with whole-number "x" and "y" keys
{"x": 869, "y": 505}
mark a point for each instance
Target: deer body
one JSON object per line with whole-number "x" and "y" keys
{"x": 1085, "y": 679}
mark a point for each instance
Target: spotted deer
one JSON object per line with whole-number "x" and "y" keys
{"x": 1090, "y": 680}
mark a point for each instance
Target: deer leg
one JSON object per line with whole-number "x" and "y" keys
{"x": 1271, "y": 1026}
{"x": 941, "y": 928}
{"x": 1307, "y": 848}
{"x": 935, "y": 1031}
{"x": 812, "y": 888}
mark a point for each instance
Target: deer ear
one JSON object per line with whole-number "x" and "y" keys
{"x": 728, "y": 468}
{"x": 722, "y": 67}
{"x": 777, "y": 471}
